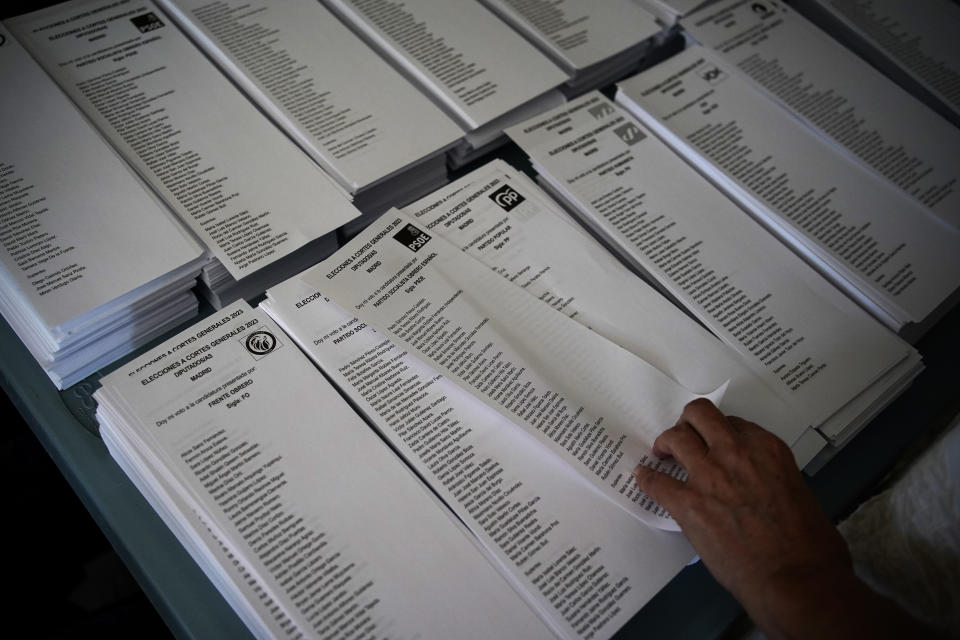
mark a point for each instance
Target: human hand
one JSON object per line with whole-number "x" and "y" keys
{"x": 744, "y": 507}
{"x": 755, "y": 523}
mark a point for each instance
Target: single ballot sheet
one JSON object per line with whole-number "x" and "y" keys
{"x": 500, "y": 217}
{"x": 589, "y": 400}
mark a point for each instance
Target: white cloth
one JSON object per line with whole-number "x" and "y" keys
{"x": 905, "y": 541}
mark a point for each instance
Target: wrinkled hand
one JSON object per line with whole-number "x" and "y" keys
{"x": 757, "y": 527}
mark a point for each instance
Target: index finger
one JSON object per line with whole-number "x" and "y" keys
{"x": 708, "y": 421}
{"x": 672, "y": 494}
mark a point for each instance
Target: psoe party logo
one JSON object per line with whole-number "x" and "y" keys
{"x": 506, "y": 197}
{"x": 260, "y": 343}
{"x": 411, "y": 237}
{"x": 147, "y": 22}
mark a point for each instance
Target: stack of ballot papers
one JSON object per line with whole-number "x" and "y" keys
{"x": 822, "y": 354}
{"x": 381, "y": 140}
{"x": 466, "y": 60}
{"x": 525, "y": 421}
{"x": 670, "y": 11}
{"x": 263, "y": 209}
{"x": 911, "y": 42}
{"x": 92, "y": 265}
{"x": 501, "y": 219}
{"x": 839, "y": 95}
{"x": 596, "y": 42}
{"x": 884, "y": 249}
{"x": 303, "y": 518}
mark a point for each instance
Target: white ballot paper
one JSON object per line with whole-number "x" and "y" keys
{"x": 245, "y": 595}
{"x": 594, "y": 41}
{"x": 529, "y": 509}
{"x": 343, "y": 104}
{"x": 84, "y": 237}
{"x": 461, "y": 55}
{"x": 839, "y": 95}
{"x": 90, "y": 261}
{"x": 246, "y": 190}
{"x": 884, "y": 249}
{"x": 315, "y": 511}
{"x": 671, "y": 224}
{"x": 592, "y": 402}
{"x": 669, "y": 11}
{"x": 912, "y": 38}
{"x": 498, "y": 216}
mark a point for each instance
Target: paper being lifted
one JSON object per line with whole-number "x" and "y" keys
{"x": 592, "y": 402}
{"x": 498, "y": 216}
{"x": 313, "y": 511}
{"x": 535, "y": 515}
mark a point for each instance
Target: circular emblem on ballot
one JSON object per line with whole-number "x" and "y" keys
{"x": 260, "y": 343}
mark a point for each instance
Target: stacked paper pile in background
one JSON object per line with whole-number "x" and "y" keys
{"x": 840, "y": 96}
{"x": 596, "y": 42}
{"x": 834, "y": 364}
{"x": 264, "y": 210}
{"x": 670, "y": 11}
{"x": 913, "y": 44}
{"x": 472, "y": 65}
{"x": 93, "y": 265}
{"x": 884, "y": 249}
{"x": 376, "y": 135}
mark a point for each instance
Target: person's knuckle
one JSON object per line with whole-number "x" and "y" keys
{"x": 665, "y": 439}
{"x": 773, "y": 444}
{"x": 700, "y": 402}
{"x": 652, "y": 482}
{"x": 670, "y": 433}
{"x": 746, "y": 428}
{"x": 732, "y": 455}
{"x": 677, "y": 429}
{"x": 695, "y": 511}
{"x": 724, "y": 439}
{"x": 713, "y": 476}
